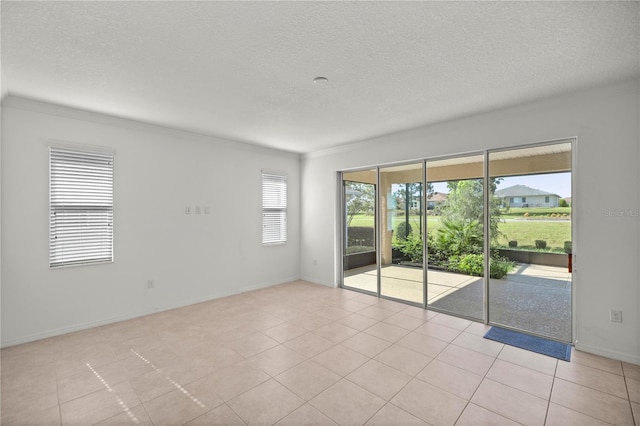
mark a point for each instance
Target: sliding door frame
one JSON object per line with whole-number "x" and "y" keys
{"x": 486, "y": 222}
{"x": 342, "y": 221}
{"x": 485, "y": 315}
{"x": 573, "y": 142}
{"x": 378, "y": 221}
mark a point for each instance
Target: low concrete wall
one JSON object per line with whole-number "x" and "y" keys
{"x": 358, "y": 260}
{"x": 536, "y": 258}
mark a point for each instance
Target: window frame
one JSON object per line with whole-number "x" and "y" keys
{"x": 99, "y": 206}
{"x": 274, "y": 203}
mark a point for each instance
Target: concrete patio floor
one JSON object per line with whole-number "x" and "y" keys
{"x": 534, "y": 298}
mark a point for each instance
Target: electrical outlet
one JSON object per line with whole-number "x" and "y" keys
{"x": 150, "y": 284}
{"x": 615, "y": 316}
{"x": 197, "y": 209}
{"x": 187, "y": 210}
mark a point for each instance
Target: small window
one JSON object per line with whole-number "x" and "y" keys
{"x": 80, "y": 207}
{"x": 524, "y": 199}
{"x": 274, "y": 208}
{"x": 546, "y": 199}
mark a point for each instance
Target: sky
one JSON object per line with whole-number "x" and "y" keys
{"x": 554, "y": 183}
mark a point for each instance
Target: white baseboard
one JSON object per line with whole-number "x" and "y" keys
{"x": 630, "y": 358}
{"x": 91, "y": 324}
{"x": 317, "y": 281}
{"x": 70, "y": 329}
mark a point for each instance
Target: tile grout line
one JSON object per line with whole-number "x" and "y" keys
{"x": 586, "y": 387}
{"x": 478, "y": 387}
{"x": 234, "y": 411}
{"x": 415, "y": 377}
{"x": 633, "y": 417}
{"x": 57, "y": 394}
{"x": 121, "y": 403}
{"x": 553, "y": 382}
{"x": 596, "y": 389}
{"x": 350, "y": 381}
{"x": 292, "y": 411}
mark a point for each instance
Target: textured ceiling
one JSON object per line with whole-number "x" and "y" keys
{"x": 244, "y": 70}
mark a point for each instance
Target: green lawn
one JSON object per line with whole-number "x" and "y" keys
{"x": 366, "y": 220}
{"x": 525, "y": 232}
{"x": 363, "y": 220}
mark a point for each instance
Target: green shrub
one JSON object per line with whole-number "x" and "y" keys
{"x": 403, "y": 230}
{"x": 470, "y": 264}
{"x": 500, "y": 267}
{"x": 568, "y": 247}
{"x": 541, "y": 244}
{"x": 473, "y": 264}
{"x": 412, "y": 248}
{"x": 435, "y": 254}
{"x": 513, "y": 243}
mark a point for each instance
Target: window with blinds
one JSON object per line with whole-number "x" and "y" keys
{"x": 80, "y": 207}
{"x": 274, "y": 208}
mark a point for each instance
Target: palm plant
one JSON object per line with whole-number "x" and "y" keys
{"x": 460, "y": 237}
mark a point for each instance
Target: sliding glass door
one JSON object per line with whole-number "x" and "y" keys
{"x": 485, "y": 236}
{"x": 531, "y": 243}
{"x": 455, "y": 236}
{"x": 401, "y": 229}
{"x": 359, "y": 259}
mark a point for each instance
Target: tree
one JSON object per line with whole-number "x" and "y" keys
{"x": 465, "y": 203}
{"x": 415, "y": 188}
{"x": 430, "y": 190}
{"x": 403, "y": 196}
{"x": 359, "y": 199}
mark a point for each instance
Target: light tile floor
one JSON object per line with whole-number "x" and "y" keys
{"x": 298, "y": 354}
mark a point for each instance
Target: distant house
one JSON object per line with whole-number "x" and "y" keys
{"x": 436, "y": 199}
{"x": 524, "y": 196}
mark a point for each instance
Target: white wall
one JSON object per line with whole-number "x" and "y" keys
{"x": 605, "y": 121}
{"x": 158, "y": 172}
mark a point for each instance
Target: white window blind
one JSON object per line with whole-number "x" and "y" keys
{"x": 80, "y": 207}
{"x": 274, "y": 208}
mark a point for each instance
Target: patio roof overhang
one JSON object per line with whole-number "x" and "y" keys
{"x": 525, "y": 161}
